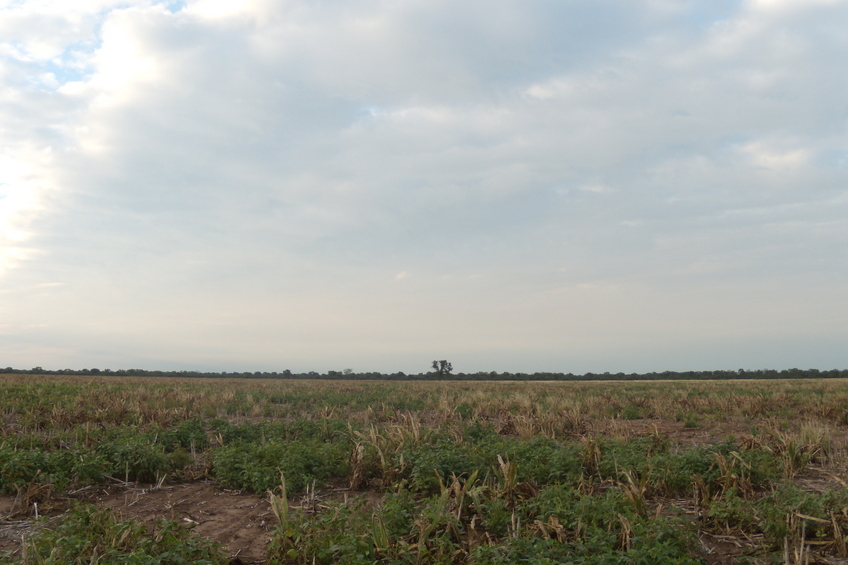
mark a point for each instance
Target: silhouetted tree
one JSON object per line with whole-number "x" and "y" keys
{"x": 442, "y": 368}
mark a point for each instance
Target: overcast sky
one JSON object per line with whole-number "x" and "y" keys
{"x": 512, "y": 185}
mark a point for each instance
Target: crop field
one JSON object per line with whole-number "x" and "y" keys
{"x": 107, "y": 470}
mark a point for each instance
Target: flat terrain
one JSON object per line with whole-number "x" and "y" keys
{"x": 436, "y": 472}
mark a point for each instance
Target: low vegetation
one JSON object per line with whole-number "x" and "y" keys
{"x": 455, "y": 472}
{"x": 90, "y": 535}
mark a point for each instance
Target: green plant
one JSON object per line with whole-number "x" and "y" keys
{"x": 256, "y": 467}
{"x": 631, "y": 412}
{"x": 91, "y": 535}
{"x": 134, "y": 457}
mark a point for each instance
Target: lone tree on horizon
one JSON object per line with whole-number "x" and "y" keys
{"x": 442, "y": 368}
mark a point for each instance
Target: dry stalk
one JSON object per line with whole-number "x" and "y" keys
{"x": 357, "y": 466}
{"x": 591, "y": 456}
{"x": 635, "y": 489}
{"x": 525, "y": 428}
{"x": 839, "y": 543}
{"x": 625, "y": 538}
{"x": 701, "y": 495}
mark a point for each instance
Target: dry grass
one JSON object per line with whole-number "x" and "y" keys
{"x": 810, "y": 409}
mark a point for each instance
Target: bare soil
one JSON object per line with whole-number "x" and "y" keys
{"x": 240, "y": 522}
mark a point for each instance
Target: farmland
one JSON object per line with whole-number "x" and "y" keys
{"x": 161, "y": 470}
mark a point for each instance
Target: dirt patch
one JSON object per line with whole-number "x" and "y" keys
{"x": 12, "y": 532}
{"x": 242, "y": 523}
{"x": 733, "y": 549}
{"x": 678, "y": 433}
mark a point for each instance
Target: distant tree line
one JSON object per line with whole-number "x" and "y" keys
{"x": 445, "y": 375}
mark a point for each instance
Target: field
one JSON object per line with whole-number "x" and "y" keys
{"x": 157, "y": 470}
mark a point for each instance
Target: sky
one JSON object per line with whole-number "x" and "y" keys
{"x": 511, "y": 185}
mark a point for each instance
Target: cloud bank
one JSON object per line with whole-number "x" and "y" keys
{"x": 522, "y": 186}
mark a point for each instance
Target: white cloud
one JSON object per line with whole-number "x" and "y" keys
{"x": 19, "y": 204}
{"x": 123, "y": 60}
{"x": 222, "y": 9}
{"x": 791, "y": 5}
{"x": 596, "y": 188}
{"x": 761, "y": 155}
